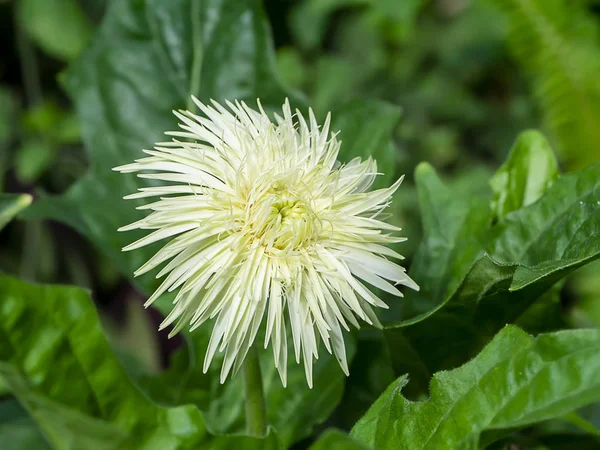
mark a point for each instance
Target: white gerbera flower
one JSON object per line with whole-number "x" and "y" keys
{"x": 267, "y": 220}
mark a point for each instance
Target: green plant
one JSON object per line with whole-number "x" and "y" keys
{"x": 498, "y": 349}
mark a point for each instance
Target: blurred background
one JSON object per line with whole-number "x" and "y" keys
{"x": 468, "y": 75}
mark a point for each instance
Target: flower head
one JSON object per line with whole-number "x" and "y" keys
{"x": 266, "y": 221}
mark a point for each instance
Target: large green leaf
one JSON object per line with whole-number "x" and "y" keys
{"x": 517, "y": 380}
{"x": 477, "y": 278}
{"x": 56, "y": 360}
{"x": 558, "y": 231}
{"x": 528, "y": 172}
{"x": 453, "y": 226}
{"x": 11, "y": 205}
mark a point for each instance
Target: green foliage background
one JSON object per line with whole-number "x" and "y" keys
{"x": 491, "y": 108}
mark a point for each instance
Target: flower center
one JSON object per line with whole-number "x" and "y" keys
{"x": 288, "y": 209}
{"x": 282, "y": 221}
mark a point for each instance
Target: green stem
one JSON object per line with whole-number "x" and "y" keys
{"x": 256, "y": 414}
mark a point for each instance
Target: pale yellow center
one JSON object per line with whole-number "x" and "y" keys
{"x": 281, "y": 221}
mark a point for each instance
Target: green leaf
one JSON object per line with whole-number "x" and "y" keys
{"x": 59, "y": 27}
{"x": 337, "y": 440}
{"x": 58, "y": 363}
{"x": 528, "y": 172}
{"x": 453, "y": 226}
{"x": 559, "y": 230}
{"x": 11, "y": 205}
{"x": 477, "y": 278}
{"x": 556, "y": 41}
{"x": 517, "y": 380}
{"x": 379, "y": 412}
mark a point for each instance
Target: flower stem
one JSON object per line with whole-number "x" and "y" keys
{"x": 256, "y": 414}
